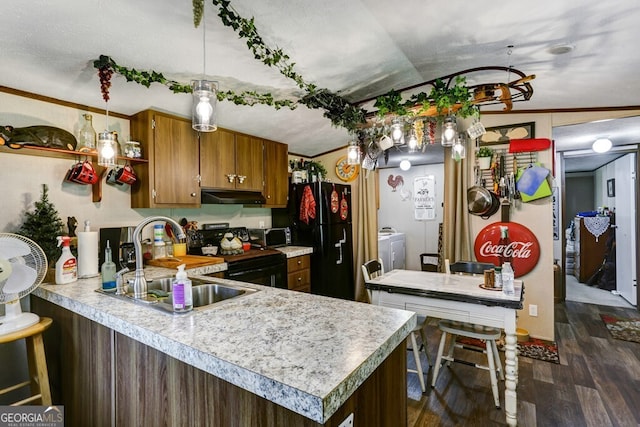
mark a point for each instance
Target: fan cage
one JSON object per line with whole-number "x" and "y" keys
{"x": 35, "y": 259}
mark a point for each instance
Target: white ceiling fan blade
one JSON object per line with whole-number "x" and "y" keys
{"x": 20, "y": 279}
{"x": 11, "y": 248}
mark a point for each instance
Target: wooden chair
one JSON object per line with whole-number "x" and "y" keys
{"x": 372, "y": 269}
{"x": 38, "y": 374}
{"x": 470, "y": 267}
{"x": 486, "y": 334}
{"x": 429, "y": 262}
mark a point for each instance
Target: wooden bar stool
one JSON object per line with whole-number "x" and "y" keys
{"x": 486, "y": 334}
{"x": 38, "y": 374}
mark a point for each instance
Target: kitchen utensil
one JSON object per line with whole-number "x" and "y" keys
{"x": 169, "y": 231}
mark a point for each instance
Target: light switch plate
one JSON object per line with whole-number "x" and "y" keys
{"x": 533, "y": 310}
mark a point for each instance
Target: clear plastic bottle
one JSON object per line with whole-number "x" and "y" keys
{"x": 108, "y": 271}
{"x": 507, "y": 279}
{"x": 182, "y": 293}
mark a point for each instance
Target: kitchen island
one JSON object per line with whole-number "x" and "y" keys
{"x": 274, "y": 357}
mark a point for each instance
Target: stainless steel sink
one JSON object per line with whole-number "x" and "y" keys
{"x": 206, "y": 293}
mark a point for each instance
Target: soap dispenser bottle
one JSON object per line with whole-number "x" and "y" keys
{"x": 108, "y": 271}
{"x": 182, "y": 293}
{"x": 67, "y": 265}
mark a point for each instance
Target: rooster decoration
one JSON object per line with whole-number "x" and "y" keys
{"x": 395, "y": 181}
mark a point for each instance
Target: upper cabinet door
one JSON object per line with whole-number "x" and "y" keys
{"x": 249, "y": 163}
{"x": 276, "y": 174}
{"x": 218, "y": 159}
{"x": 176, "y": 162}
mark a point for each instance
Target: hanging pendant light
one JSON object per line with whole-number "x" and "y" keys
{"x": 449, "y": 131}
{"x": 107, "y": 149}
{"x": 204, "y": 105}
{"x": 353, "y": 154}
{"x": 459, "y": 149}
{"x": 205, "y": 95}
{"x": 107, "y": 145}
{"x": 397, "y": 133}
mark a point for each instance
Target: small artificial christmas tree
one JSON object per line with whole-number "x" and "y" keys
{"x": 43, "y": 225}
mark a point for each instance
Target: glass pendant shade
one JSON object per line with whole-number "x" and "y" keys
{"x": 459, "y": 149}
{"x": 413, "y": 143}
{"x": 449, "y": 132}
{"x": 405, "y": 164}
{"x": 396, "y": 131}
{"x": 204, "y": 105}
{"x": 353, "y": 154}
{"x": 107, "y": 149}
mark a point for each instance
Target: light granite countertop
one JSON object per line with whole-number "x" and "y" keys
{"x": 295, "y": 251}
{"x": 305, "y": 352}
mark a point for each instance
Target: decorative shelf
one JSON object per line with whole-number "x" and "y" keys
{"x": 59, "y": 153}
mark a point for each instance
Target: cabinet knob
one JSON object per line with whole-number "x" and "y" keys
{"x": 299, "y": 262}
{"x": 193, "y": 194}
{"x": 299, "y": 279}
{"x": 231, "y": 177}
{"x": 241, "y": 178}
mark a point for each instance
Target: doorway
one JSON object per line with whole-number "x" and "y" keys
{"x": 600, "y": 271}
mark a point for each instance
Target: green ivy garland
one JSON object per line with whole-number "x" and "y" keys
{"x": 338, "y": 110}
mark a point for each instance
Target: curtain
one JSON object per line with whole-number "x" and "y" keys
{"x": 365, "y": 246}
{"x": 456, "y": 239}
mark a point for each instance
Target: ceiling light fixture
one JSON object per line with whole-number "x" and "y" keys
{"x": 413, "y": 142}
{"x": 602, "y": 145}
{"x": 107, "y": 147}
{"x": 560, "y": 49}
{"x": 405, "y": 164}
{"x": 396, "y": 131}
{"x": 459, "y": 150}
{"x": 353, "y": 153}
{"x": 203, "y": 111}
{"x": 449, "y": 131}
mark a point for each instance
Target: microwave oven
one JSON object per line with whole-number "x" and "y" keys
{"x": 270, "y": 237}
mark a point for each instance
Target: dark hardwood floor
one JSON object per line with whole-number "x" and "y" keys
{"x": 597, "y": 382}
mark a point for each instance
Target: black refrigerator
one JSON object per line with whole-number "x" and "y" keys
{"x": 325, "y": 226}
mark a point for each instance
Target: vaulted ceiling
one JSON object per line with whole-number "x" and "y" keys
{"x": 359, "y": 48}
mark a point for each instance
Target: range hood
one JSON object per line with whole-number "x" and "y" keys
{"x": 211, "y": 197}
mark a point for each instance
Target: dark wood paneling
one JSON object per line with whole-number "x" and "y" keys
{"x": 79, "y": 361}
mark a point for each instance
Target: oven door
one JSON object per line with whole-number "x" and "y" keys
{"x": 267, "y": 271}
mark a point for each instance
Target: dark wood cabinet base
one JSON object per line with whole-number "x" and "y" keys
{"x": 98, "y": 374}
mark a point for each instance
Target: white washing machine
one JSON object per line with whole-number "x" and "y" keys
{"x": 391, "y": 249}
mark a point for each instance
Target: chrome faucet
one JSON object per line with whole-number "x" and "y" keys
{"x": 140, "y": 282}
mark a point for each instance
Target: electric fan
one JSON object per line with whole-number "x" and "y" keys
{"x": 23, "y": 266}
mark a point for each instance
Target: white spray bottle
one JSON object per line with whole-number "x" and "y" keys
{"x": 67, "y": 265}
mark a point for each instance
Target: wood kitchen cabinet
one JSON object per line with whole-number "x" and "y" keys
{"x": 589, "y": 252}
{"x": 276, "y": 182}
{"x": 231, "y": 161}
{"x": 171, "y": 178}
{"x": 299, "y": 273}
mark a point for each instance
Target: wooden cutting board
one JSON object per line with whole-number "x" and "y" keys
{"x": 191, "y": 261}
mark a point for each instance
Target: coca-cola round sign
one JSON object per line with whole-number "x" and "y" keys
{"x": 521, "y": 247}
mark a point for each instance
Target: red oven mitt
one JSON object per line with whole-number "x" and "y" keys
{"x": 307, "y": 206}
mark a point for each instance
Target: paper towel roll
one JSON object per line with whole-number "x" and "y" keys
{"x": 87, "y": 254}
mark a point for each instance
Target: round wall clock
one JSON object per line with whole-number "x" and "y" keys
{"x": 345, "y": 171}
